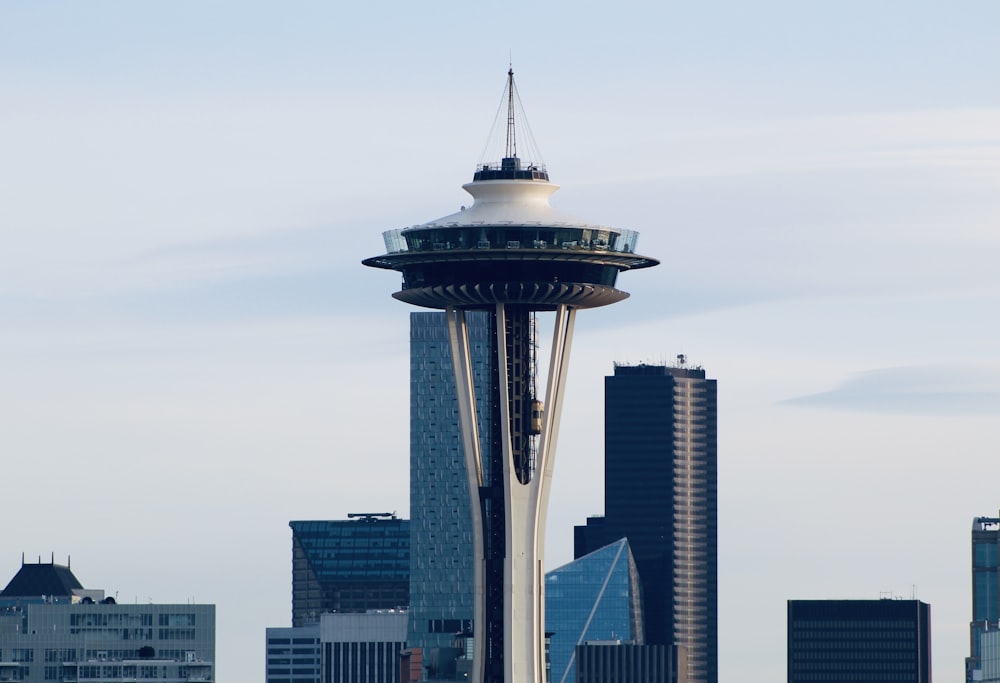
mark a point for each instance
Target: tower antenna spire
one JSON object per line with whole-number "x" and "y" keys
{"x": 511, "y": 150}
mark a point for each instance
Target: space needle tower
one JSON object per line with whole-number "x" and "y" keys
{"x": 511, "y": 254}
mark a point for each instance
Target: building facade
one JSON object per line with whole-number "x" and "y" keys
{"x": 618, "y": 662}
{"x": 596, "y": 597}
{"x": 660, "y": 466}
{"x": 989, "y": 658}
{"x": 362, "y": 648}
{"x": 859, "y": 640}
{"x": 69, "y": 633}
{"x": 985, "y": 562}
{"x": 352, "y": 565}
{"x": 441, "y": 569}
{"x": 293, "y": 654}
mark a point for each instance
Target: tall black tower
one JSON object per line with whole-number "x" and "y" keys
{"x": 660, "y": 465}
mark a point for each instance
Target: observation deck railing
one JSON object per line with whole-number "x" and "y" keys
{"x": 455, "y": 238}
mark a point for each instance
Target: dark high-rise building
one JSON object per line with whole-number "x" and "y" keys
{"x": 350, "y": 565}
{"x": 985, "y": 587}
{"x": 660, "y": 467}
{"x": 830, "y": 641}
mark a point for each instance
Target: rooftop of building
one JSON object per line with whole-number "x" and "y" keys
{"x": 50, "y": 579}
{"x": 352, "y": 518}
{"x": 986, "y": 524}
{"x": 679, "y": 368}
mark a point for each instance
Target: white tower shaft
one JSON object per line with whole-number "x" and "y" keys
{"x": 525, "y": 504}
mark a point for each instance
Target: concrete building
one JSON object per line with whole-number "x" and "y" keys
{"x": 339, "y": 648}
{"x": 660, "y": 465}
{"x": 293, "y": 654}
{"x": 859, "y": 640}
{"x": 53, "y": 629}
{"x": 362, "y": 648}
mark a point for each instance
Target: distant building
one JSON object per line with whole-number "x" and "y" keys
{"x": 340, "y": 648}
{"x": 362, "y": 648}
{"x": 985, "y": 587}
{"x": 989, "y": 662}
{"x": 660, "y": 466}
{"x": 859, "y": 640}
{"x": 53, "y": 629}
{"x": 352, "y": 565}
{"x": 441, "y": 569}
{"x": 293, "y": 655}
{"x": 616, "y": 662}
{"x": 594, "y": 598}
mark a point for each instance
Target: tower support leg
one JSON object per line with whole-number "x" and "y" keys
{"x": 508, "y": 495}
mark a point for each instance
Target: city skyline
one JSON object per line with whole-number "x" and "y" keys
{"x": 188, "y": 192}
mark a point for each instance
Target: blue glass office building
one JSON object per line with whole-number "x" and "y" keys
{"x": 350, "y": 565}
{"x": 989, "y": 657}
{"x": 985, "y": 587}
{"x": 441, "y": 571}
{"x": 594, "y": 598}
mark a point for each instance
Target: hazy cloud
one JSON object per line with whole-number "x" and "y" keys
{"x": 920, "y": 390}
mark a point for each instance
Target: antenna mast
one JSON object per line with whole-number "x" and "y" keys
{"x": 511, "y": 135}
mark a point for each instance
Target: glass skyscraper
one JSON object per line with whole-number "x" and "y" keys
{"x": 985, "y": 587}
{"x": 660, "y": 465}
{"x": 989, "y": 657}
{"x": 441, "y": 571}
{"x": 596, "y": 597}
{"x": 350, "y": 565}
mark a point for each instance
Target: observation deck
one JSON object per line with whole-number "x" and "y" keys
{"x": 510, "y": 247}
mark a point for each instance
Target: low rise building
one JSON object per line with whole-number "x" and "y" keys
{"x": 53, "y": 629}
{"x": 859, "y": 640}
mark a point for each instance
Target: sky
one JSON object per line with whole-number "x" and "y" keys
{"x": 191, "y": 353}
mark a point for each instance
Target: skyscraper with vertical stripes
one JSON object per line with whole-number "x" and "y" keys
{"x": 660, "y": 465}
